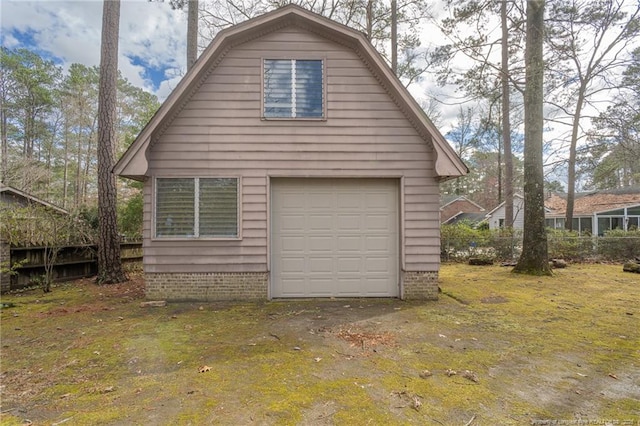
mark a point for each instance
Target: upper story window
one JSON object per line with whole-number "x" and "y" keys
{"x": 293, "y": 88}
{"x": 196, "y": 208}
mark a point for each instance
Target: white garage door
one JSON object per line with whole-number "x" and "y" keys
{"x": 334, "y": 238}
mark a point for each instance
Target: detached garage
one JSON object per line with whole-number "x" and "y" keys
{"x": 290, "y": 162}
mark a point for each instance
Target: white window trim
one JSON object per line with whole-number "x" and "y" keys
{"x": 293, "y": 117}
{"x": 196, "y": 225}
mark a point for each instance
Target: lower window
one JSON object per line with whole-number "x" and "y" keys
{"x": 196, "y": 208}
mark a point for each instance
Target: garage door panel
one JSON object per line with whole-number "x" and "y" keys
{"x": 292, "y": 287}
{"x": 292, "y": 244}
{"x": 320, "y": 287}
{"x": 377, "y": 243}
{"x": 293, "y": 222}
{"x": 349, "y": 264}
{"x": 377, "y": 287}
{"x": 320, "y": 264}
{"x": 293, "y": 264}
{"x": 350, "y": 287}
{"x": 335, "y": 238}
{"x": 378, "y": 264}
{"x": 348, "y": 222}
{"x": 349, "y": 200}
{"x": 349, "y": 243}
{"x": 378, "y": 222}
{"x": 319, "y": 222}
{"x": 292, "y": 201}
{"x": 321, "y": 200}
{"x": 376, "y": 201}
{"x": 319, "y": 243}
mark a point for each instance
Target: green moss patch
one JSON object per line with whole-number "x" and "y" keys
{"x": 498, "y": 348}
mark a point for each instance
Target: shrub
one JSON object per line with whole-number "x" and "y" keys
{"x": 569, "y": 245}
{"x": 461, "y": 240}
{"x": 130, "y": 217}
{"x": 617, "y": 244}
{"x": 506, "y": 243}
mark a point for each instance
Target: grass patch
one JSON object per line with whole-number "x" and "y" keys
{"x": 539, "y": 347}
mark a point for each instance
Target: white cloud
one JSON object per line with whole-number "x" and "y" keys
{"x": 71, "y": 30}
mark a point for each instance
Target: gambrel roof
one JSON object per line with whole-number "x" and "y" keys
{"x": 133, "y": 163}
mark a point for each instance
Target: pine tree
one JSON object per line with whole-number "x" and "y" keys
{"x": 109, "y": 261}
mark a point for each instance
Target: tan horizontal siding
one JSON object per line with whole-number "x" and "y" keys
{"x": 418, "y": 231}
{"x": 294, "y": 129}
{"x": 224, "y": 168}
{"x": 224, "y": 145}
{"x": 220, "y": 132}
{"x": 250, "y": 109}
{"x": 248, "y": 246}
{"x": 356, "y": 158}
{"x": 200, "y": 124}
{"x": 167, "y": 265}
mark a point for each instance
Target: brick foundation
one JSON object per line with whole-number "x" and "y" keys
{"x": 420, "y": 285}
{"x": 254, "y": 286}
{"x": 207, "y": 287}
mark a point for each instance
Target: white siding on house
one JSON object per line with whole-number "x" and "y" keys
{"x": 518, "y": 215}
{"x": 220, "y": 132}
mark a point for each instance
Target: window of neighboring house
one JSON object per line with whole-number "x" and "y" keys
{"x": 293, "y": 88}
{"x": 196, "y": 208}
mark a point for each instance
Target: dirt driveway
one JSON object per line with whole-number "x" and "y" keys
{"x": 497, "y": 348}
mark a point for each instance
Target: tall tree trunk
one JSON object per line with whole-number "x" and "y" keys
{"x": 534, "y": 258}
{"x": 501, "y": 184}
{"x": 5, "y": 150}
{"x": 369, "y": 19}
{"x": 85, "y": 172}
{"x": 109, "y": 261}
{"x": 77, "y": 196}
{"x": 192, "y": 33}
{"x": 506, "y": 121}
{"x": 66, "y": 165}
{"x": 571, "y": 174}
{"x": 394, "y": 36}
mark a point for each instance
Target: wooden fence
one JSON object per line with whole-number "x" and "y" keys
{"x": 27, "y": 264}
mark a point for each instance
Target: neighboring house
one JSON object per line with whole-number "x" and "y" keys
{"x": 14, "y": 198}
{"x": 10, "y": 197}
{"x": 290, "y": 162}
{"x": 596, "y": 212}
{"x": 455, "y": 208}
{"x": 496, "y": 216}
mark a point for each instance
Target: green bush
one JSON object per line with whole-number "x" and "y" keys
{"x": 130, "y": 217}
{"x": 506, "y": 243}
{"x": 461, "y": 241}
{"x": 569, "y": 245}
{"x": 619, "y": 245}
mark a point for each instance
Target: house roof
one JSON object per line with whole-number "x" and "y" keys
{"x": 447, "y": 199}
{"x": 589, "y": 203}
{"x": 4, "y": 189}
{"x": 133, "y": 163}
{"x": 460, "y": 216}
{"x": 502, "y": 204}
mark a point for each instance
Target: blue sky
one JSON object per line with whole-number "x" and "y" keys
{"x": 152, "y": 46}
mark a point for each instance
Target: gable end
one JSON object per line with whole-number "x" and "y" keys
{"x": 134, "y": 163}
